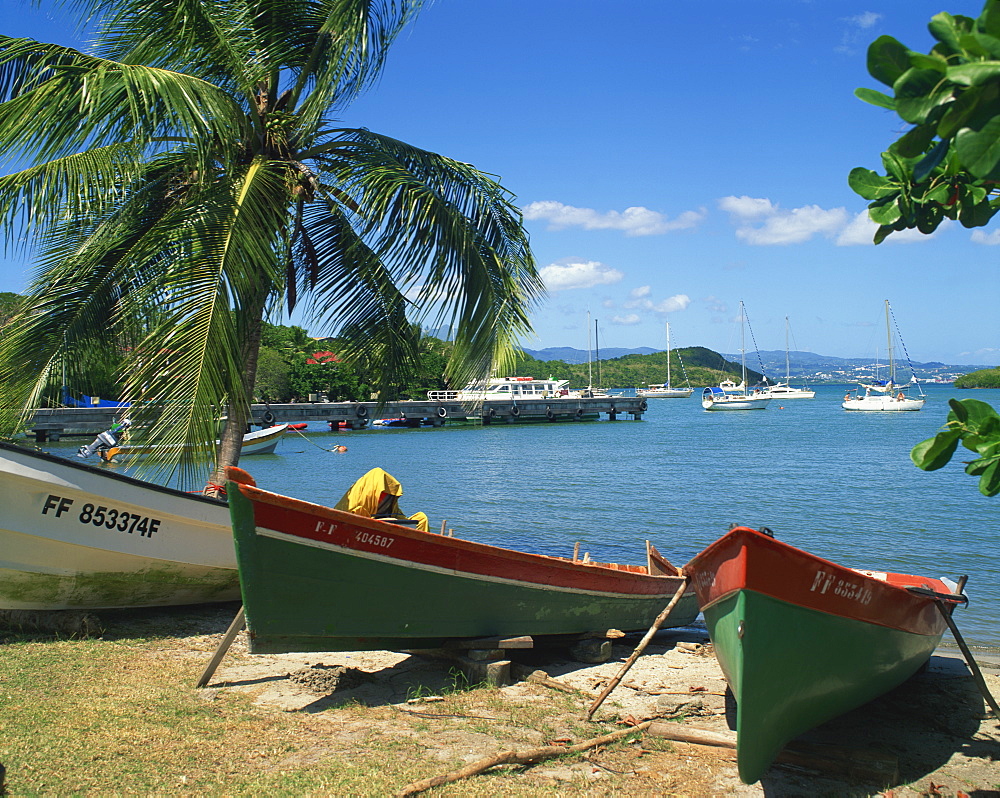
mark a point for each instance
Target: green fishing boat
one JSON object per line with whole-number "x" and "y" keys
{"x": 802, "y": 640}
{"x": 326, "y": 579}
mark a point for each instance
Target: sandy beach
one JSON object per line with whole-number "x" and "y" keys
{"x": 931, "y": 736}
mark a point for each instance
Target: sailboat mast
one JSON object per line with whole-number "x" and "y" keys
{"x": 788, "y": 371}
{"x": 668, "y": 355}
{"x": 597, "y": 347}
{"x": 590, "y": 349}
{"x": 888, "y": 341}
{"x": 743, "y": 345}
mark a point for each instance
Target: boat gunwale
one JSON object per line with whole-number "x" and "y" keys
{"x": 101, "y": 472}
{"x": 890, "y": 590}
{"x": 634, "y": 580}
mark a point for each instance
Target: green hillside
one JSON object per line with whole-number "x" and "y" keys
{"x": 702, "y": 367}
{"x": 984, "y": 378}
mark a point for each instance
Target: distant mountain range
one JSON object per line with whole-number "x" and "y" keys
{"x": 801, "y": 364}
{"x": 569, "y": 355}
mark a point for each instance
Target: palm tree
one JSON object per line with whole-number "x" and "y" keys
{"x": 188, "y": 179}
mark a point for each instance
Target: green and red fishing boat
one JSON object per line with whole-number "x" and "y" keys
{"x": 802, "y": 640}
{"x": 317, "y": 578}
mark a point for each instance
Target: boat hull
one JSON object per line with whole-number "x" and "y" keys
{"x": 886, "y": 404}
{"x": 802, "y": 640}
{"x": 318, "y": 579}
{"x": 77, "y": 537}
{"x": 262, "y": 441}
{"x": 778, "y": 392}
{"x": 733, "y": 402}
{"x": 664, "y": 393}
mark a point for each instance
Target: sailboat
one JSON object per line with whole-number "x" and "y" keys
{"x": 665, "y": 390}
{"x": 886, "y": 395}
{"x": 725, "y": 397}
{"x": 592, "y": 392}
{"x": 784, "y": 390}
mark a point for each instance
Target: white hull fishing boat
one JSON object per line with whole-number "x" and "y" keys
{"x": 262, "y": 441}
{"x": 785, "y": 390}
{"x": 76, "y": 537}
{"x": 888, "y": 396}
{"x": 729, "y": 397}
{"x": 665, "y": 390}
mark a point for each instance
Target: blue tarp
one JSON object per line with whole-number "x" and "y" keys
{"x": 89, "y": 401}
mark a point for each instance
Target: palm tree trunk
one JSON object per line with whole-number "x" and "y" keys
{"x": 238, "y": 407}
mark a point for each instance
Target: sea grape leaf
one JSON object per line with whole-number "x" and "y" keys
{"x": 887, "y": 60}
{"x": 934, "y": 453}
{"x": 974, "y": 74}
{"x": 870, "y": 184}
{"x": 914, "y": 142}
{"x": 874, "y": 97}
{"x": 929, "y": 162}
{"x": 980, "y": 149}
{"x": 988, "y": 472}
{"x": 988, "y": 44}
{"x": 918, "y": 91}
{"x": 945, "y": 29}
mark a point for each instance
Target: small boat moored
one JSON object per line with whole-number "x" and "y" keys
{"x": 665, "y": 390}
{"x": 728, "y": 395}
{"x": 802, "y": 640}
{"x": 76, "y": 537}
{"x": 262, "y": 441}
{"x": 887, "y": 395}
{"x": 324, "y": 579}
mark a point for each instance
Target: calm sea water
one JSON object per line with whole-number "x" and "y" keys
{"x": 836, "y": 483}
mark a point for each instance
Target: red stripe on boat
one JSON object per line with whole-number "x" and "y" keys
{"x": 747, "y": 559}
{"x": 334, "y": 527}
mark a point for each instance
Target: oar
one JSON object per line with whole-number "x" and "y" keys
{"x": 227, "y": 640}
{"x": 639, "y": 648}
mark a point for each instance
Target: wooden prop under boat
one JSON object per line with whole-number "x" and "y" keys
{"x": 802, "y": 640}
{"x": 320, "y": 579}
{"x": 73, "y": 536}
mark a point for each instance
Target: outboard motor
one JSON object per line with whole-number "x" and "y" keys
{"x": 106, "y": 439}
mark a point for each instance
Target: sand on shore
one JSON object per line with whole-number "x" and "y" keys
{"x": 935, "y": 728}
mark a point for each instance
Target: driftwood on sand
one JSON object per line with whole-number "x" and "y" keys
{"x": 529, "y": 757}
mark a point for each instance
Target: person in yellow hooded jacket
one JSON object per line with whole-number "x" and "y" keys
{"x": 376, "y": 495}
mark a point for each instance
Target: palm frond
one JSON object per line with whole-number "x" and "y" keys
{"x": 87, "y": 183}
{"x": 58, "y": 101}
{"x": 449, "y": 232}
{"x": 350, "y": 42}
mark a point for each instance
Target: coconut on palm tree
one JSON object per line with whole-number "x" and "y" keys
{"x": 186, "y": 178}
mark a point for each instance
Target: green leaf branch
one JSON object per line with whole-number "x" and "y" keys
{"x": 976, "y": 425}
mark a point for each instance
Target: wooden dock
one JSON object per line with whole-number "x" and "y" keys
{"x": 55, "y": 422}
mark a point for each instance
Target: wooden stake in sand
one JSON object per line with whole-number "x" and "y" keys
{"x": 227, "y": 640}
{"x": 639, "y": 648}
{"x": 529, "y": 757}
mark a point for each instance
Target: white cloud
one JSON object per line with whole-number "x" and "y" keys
{"x": 859, "y": 231}
{"x": 747, "y": 208}
{"x": 625, "y": 321}
{"x": 671, "y": 304}
{"x": 569, "y": 274}
{"x": 983, "y": 353}
{"x": 864, "y": 20}
{"x": 760, "y": 222}
{"x": 641, "y": 291}
{"x": 635, "y": 221}
{"x": 777, "y": 226}
{"x": 982, "y": 237}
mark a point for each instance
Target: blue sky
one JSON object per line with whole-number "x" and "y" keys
{"x": 672, "y": 159}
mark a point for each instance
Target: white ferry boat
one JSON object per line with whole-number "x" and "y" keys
{"x": 506, "y": 388}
